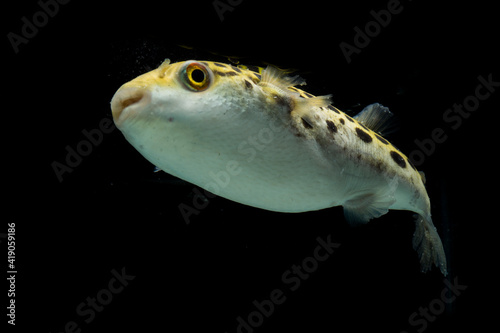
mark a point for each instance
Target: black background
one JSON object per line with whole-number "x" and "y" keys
{"x": 113, "y": 212}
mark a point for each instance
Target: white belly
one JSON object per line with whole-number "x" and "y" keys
{"x": 270, "y": 170}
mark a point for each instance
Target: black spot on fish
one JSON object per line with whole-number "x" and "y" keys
{"x": 365, "y": 137}
{"x": 236, "y": 69}
{"x": 255, "y": 79}
{"x": 219, "y": 64}
{"x": 411, "y": 164}
{"x": 248, "y": 85}
{"x": 381, "y": 139}
{"x": 253, "y": 68}
{"x": 306, "y": 123}
{"x": 398, "y": 159}
{"x": 219, "y": 73}
{"x": 360, "y": 124}
{"x": 308, "y": 95}
{"x": 231, "y": 73}
{"x": 333, "y": 109}
{"x": 342, "y": 121}
{"x": 349, "y": 118}
{"x": 379, "y": 165}
{"x": 284, "y": 101}
{"x": 331, "y": 126}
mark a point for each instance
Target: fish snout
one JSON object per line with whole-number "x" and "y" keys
{"x": 128, "y": 101}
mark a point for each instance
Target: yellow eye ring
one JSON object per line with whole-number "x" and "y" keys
{"x": 195, "y": 76}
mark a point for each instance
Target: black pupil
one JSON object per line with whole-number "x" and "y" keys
{"x": 198, "y": 75}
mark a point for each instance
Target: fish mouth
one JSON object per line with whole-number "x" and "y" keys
{"x": 128, "y": 101}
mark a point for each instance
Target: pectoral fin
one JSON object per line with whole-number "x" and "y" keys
{"x": 367, "y": 206}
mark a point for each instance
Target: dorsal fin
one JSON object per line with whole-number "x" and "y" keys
{"x": 316, "y": 101}
{"x": 378, "y": 118}
{"x": 279, "y": 79}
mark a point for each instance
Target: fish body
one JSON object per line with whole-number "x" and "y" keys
{"x": 255, "y": 138}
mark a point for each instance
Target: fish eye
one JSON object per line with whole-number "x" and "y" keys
{"x": 195, "y": 76}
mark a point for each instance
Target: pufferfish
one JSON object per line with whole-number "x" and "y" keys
{"x": 255, "y": 138}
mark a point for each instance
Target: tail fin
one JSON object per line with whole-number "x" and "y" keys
{"x": 428, "y": 245}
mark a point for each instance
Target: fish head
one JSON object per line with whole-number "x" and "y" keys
{"x": 172, "y": 93}
{"x": 190, "y": 116}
